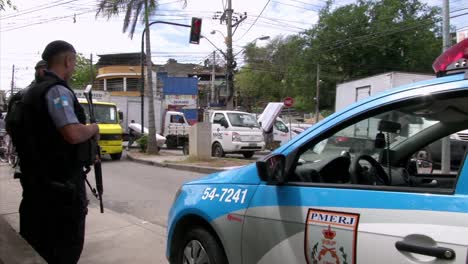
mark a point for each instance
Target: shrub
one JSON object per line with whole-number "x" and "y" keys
{"x": 143, "y": 143}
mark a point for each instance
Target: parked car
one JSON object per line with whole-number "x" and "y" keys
{"x": 311, "y": 201}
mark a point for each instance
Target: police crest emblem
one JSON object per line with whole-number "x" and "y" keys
{"x": 330, "y": 237}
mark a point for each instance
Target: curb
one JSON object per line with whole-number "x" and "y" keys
{"x": 200, "y": 169}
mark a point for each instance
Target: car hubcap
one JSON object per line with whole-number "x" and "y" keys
{"x": 194, "y": 253}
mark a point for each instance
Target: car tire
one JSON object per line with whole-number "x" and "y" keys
{"x": 217, "y": 150}
{"x": 248, "y": 155}
{"x": 200, "y": 246}
{"x": 116, "y": 156}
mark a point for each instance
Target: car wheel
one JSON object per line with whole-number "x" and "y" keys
{"x": 200, "y": 246}
{"x": 217, "y": 150}
{"x": 116, "y": 156}
{"x": 248, "y": 155}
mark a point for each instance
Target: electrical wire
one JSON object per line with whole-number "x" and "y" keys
{"x": 299, "y": 7}
{"x": 464, "y": 14}
{"x": 245, "y": 33}
{"x": 24, "y": 13}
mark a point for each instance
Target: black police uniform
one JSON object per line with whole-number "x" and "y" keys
{"x": 54, "y": 204}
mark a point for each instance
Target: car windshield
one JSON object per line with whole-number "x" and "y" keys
{"x": 105, "y": 114}
{"x": 242, "y": 120}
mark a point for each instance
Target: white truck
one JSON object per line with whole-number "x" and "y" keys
{"x": 175, "y": 129}
{"x": 235, "y": 132}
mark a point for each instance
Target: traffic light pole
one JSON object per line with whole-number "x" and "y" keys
{"x": 142, "y": 79}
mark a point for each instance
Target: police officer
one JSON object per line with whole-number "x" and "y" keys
{"x": 54, "y": 204}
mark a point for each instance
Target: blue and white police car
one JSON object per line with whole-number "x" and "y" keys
{"x": 313, "y": 201}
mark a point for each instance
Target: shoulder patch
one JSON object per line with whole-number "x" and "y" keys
{"x": 61, "y": 102}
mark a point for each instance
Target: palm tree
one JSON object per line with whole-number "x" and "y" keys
{"x": 134, "y": 9}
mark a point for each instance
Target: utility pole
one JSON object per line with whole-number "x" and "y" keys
{"x": 213, "y": 76}
{"x": 12, "y": 80}
{"x": 317, "y": 95}
{"x": 230, "y": 59}
{"x": 229, "y": 17}
{"x": 446, "y": 43}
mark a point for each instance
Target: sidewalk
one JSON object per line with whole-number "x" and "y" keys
{"x": 110, "y": 237}
{"x": 175, "y": 160}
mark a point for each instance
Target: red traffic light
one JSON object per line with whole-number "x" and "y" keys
{"x": 195, "y": 30}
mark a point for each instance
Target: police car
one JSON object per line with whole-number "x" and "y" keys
{"x": 313, "y": 201}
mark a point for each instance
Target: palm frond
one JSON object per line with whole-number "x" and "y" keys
{"x": 128, "y": 15}
{"x": 136, "y": 15}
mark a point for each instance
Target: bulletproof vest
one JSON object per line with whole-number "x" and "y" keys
{"x": 45, "y": 152}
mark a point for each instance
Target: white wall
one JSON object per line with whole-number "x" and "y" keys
{"x": 402, "y": 78}
{"x": 346, "y": 92}
{"x": 131, "y": 108}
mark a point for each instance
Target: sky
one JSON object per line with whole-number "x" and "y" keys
{"x": 25, "y": 32}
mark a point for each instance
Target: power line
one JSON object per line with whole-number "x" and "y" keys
{"x": 459, "y": 15}
{"x": 245, "y": 33}
{"x": 461, "y": 9}
{"x": 299, "y": 7}
{"x": 24, "y": 13}
{"x": 31, "y": 8}
{"x": 46, "y": 21}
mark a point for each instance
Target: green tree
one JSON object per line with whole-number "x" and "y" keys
{"x": 135, "y": 10}
{"x": 6, "y": 3}
{"x": 83, "y": 73}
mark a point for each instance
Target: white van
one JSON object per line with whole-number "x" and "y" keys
{"x": 235, "y": 132}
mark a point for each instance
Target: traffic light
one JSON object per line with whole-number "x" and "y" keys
{"x": 195, "y": 30}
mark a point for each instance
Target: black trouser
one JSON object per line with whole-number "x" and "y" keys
{"x": 53, "y": 222}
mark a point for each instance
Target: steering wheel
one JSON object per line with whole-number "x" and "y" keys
{"x": 375, "y": 175}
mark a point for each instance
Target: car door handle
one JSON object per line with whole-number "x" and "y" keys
{"x": 438, "y": 252}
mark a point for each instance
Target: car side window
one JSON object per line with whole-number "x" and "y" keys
{"x": 281, "y": 126}
{"x": 218, "y": 117}
{"x": 399, "y": 148}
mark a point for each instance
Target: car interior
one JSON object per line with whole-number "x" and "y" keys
{"x": 386, "y": 147}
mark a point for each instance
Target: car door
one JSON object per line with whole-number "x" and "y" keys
{"x": 324, "y": 213}
{"x": 218, "y": 131}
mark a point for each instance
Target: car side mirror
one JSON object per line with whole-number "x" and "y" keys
{"x": 272, "y": 168}
{"x": 224, "y": 123}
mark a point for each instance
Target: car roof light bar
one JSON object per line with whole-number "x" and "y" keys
{"x": 451, "y": 57}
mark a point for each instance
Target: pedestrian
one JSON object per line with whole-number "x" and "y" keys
{"x": 54, "y": 204}
{"x": 132, "y": 135}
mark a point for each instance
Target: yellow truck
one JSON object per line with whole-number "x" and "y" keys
{"x": 108, "y": 119}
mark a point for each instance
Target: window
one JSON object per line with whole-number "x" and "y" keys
{"x": 280, "y": 126}
{"x": 218, "y": 117}
{"x": 397, "y": 147}
{"x": 105, "y": 114}
{"x": 133, "y": 84}
{"x": 242, "y": 120}
{"x": 115, "y": 84}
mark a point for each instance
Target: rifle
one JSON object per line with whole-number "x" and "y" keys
{"x": 97, "y": 161}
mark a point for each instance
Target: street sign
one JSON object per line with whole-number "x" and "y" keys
{"x": 288, "y": 101}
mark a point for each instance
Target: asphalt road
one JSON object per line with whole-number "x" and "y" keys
{"x": 144, "y": 191}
